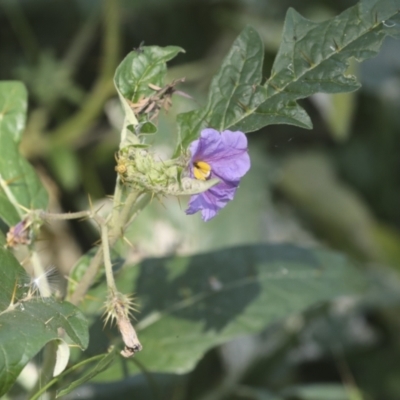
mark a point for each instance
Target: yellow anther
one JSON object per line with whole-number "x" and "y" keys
{"x": 201, "y": 170}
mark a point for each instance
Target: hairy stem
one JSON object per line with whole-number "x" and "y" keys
{"x": 75, "y": 215}
{"x": 107, "y": 259}
{"x": 130, "y": 207}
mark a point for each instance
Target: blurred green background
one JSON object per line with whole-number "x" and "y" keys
{"x": 337, "y": 185}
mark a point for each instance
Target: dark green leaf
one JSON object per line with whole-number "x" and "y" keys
{"x": 191, "y": 304}
{"x": 19, "y": 184}
{"x": 234, "y": 89}
{"x": 148, "y": 128}
{"x": 313, "y": 57}
{"x": 27, "y": 323}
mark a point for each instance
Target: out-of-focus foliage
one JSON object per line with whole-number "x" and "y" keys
{"x": 337, "y": 185}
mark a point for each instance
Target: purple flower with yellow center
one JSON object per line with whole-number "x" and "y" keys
{"x": 217, "y": 155}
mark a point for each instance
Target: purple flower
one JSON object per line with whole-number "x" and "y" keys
{"x": 222, "y": 156}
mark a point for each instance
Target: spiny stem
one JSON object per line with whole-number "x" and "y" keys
{"x": 75, "y": 215}
{"x": 117, "y": 200}
{"x": 132, "y": 206}
{"x": 107, "y": 259}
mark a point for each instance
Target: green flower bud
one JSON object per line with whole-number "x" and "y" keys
{"x": 141, "y": 170}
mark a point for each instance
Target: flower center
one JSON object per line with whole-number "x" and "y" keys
{"x": 201, "y": 170}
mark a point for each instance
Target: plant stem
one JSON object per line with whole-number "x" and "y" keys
{"x": 68, "y": 371}
{"x": 130, "y": 207}
{"x": 75, "y": 215}
{"x": 107, "y": 259}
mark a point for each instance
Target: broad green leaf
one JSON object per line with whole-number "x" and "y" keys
{"x": 191, "y": 304}
{"x": 28, "y": 323}
{"x": 338, "y": 110}
{"x": 312, "y": 58}
{"x": 235, "y": 88}
{"x": 102, "y": 365}
{"x": 140, "y": 68}
{"x": 19, "y": 184}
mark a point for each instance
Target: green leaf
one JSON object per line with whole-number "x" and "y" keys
{"x": 313, "y": 57}
{"x": 140, "y": 68}
{"x": 28, "y": 323}
{"x": 102, "y": 365}
{"x": 191, "y": 304}
{"x": 19, "y": 184}
{"x": 235, "y": 88}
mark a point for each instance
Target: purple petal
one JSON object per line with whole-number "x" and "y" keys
{"x": 211, "y": 201}
{"x": 227, "y": 155}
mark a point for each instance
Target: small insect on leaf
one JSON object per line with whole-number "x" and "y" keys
{"x": 152, "y": 105}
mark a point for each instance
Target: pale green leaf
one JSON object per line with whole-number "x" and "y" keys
{"x": 19, "y": 184}
{"x": 62, "y": 357}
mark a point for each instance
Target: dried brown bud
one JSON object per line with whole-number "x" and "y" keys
{"x": 118, "y": 307}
